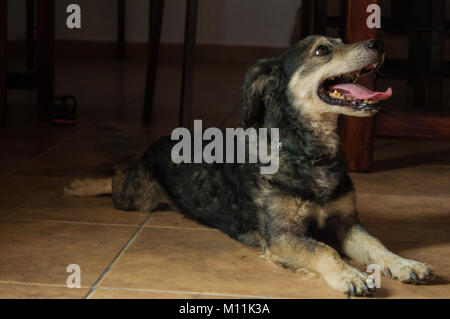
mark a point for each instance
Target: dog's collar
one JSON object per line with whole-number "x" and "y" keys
{"x": 320, "y": 160}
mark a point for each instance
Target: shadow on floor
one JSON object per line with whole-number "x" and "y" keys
{"x": 440, "y": 157}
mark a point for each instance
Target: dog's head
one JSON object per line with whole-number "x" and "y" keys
{"x": 315, "y": 76}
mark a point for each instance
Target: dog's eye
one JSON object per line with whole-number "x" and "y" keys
{"x": 322, "y": 50}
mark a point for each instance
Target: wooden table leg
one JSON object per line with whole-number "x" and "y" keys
{"x": 155, "y": 24}
{"x": 437, "y": 53}
{"x": 357, "y": 133}
{"x": 45, "y": 53}
{"x": 187, "y": 84}
{"x": 3, "y": 75}
{"x": 320, "y": 17}
{"x": 30, "y": 34}
{"x": 305, "y": 19}
{"x": 121, "y": 29}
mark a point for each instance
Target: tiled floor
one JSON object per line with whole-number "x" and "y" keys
{"x": 406, "y": 201}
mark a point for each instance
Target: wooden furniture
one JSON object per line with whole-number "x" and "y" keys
{"x": 424, "y": 71}
{"x": 357, "y": 133}
{"x": 43, "y": 80}
{"x": 45, "y": 49}
{"x": 155, "y": 23}
{"x": 156, "y": 16}
{"x": 121, "y": 29}
{"x": 3, "y": 77}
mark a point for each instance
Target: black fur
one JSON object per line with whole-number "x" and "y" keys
{"x": 229, "y": 196}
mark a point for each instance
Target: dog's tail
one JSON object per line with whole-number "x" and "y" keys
{"x": 89, "y": 187}
{"x": 117, "y": 141}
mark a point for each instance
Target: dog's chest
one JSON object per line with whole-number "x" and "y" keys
{"x": 323, "y": 181}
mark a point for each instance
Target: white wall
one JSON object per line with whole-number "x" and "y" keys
{"x": 236, "y": 22}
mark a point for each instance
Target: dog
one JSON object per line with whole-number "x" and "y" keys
{"x": 304, "y": 215}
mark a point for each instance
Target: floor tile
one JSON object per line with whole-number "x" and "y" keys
{"x": 415, "y": 228}
{"x": 39, "y": 252}
{"x": 405, "y": 201}
{"x": 141, "y": 294}
{"x": 419, "y": 180}
{"x": 206, "y": 262}
{"x": 31, "y": 197}
{"x": 175, "y": 220}
{"x": 27, "y": 291}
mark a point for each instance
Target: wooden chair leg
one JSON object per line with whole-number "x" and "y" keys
{"x": 418, "y": 51}
{"x": 305, "y": 19}
{"x": 320, "y": 17}
{"x": 357, "y": 133}
{"x": 3, "y": 75}
{"x": 187, "y": 84}
{"x": 121, "y": 29}
{"x": 155, "y": 24}
{"x": 437, "y": 53}
{"x": 30, "y": 35}
{"x": 45, "y": 53}
{"x": 313, "y": 17}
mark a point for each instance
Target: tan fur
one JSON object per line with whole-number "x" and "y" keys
{"x": 290, "y": 212}
{"x": 298, "y": 253}
{"x": 147, "y": 197}
{"x": 253, "y": 239}
{"x": 345, "y": 205}
{"x": 320, "y": 116}
{"x": 366, "y": 249}
{"x": 89, "y": 187}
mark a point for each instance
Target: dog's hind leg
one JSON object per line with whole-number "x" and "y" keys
{"x": 89, "y": 187}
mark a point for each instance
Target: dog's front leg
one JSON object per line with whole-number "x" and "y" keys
{"x": 297, "y": 252}
{"x": 366, "y": 249}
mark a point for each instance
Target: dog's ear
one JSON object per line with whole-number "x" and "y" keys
{"x": 262, "y": 81}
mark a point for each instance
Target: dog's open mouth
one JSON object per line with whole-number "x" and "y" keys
{"x": 350, "y": 89}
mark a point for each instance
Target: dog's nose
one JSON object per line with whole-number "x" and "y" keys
{"x": 374, "y": 44}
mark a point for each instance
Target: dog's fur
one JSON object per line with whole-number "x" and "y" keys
{"x": 300, "y": 216}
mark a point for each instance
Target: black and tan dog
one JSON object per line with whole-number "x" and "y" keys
{"x": 304, "y": 214}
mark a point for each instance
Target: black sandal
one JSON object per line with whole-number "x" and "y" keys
{"x": 63, "y": 110}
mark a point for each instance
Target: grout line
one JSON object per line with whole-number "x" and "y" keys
{"x": 37, "y": 157}
{"x": 186, "y": 292}
{"x": 184, "y": 228}
{"x": 23, "y": 283}
{"x": 128, "y": 244}
{"x": 105, "y": 224}
{"x": 68, "y": 222}
{"x": 160, "y": 291}
{"x": 47, "y": 151}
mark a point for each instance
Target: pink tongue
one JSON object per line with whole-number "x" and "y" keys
{"x": 360, "y": 92}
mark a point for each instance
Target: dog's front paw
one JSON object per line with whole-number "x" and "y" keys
{"x": 350, "y": 281}
{"x": 410, "y": 271}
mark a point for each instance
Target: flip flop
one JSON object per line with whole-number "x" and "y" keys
{"x": 63, "y": 110}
